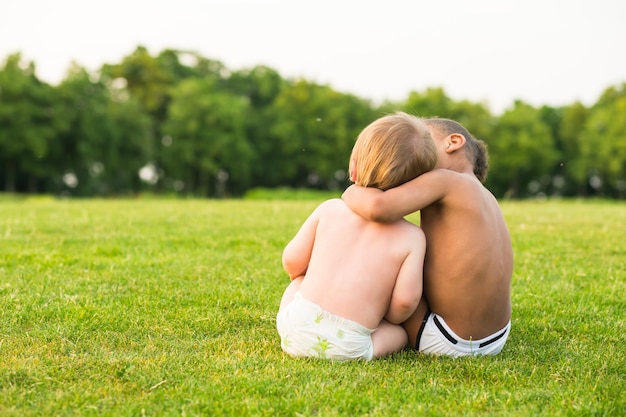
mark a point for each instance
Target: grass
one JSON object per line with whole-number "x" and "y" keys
{"x": 167, "y": 307}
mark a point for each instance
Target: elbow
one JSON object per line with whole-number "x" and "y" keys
{"x": 404, "y": 308}
{"x": 288, "y": 266}
{"x": 378, "y": 212}
{"x": 408, "y": 307}
{"x": 286, "y": 262}
{"x": 293, "y": 268}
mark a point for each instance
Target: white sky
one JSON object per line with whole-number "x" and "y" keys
{"x": 494, "y": 51}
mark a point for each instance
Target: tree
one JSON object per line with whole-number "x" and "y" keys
{"x": 27, "y": 120}
{"x": 603, "y": 144}
{"x": 207, "y": 152}
{"x": 315, "y": 129}
{"x": 189, "y": 124}
{"x": 132, "y": 134}
{"x": 573, "y": 165}
{"x": 150, "y": 81}
{"x": 146, "y": 80}
{"x": 104, "y": 140}
{"x": 434, "y": 102}
{"x": 260, "y": 86}
{"x": 522, "y": 152}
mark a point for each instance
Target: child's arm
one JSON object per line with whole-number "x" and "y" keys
{"x": 395, "y": 203}
{"x": 297, "y": 253}
{"x": 409, "y": 283}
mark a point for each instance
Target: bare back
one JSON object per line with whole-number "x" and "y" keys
{"x": 356, "y": 266}
{"x": 469, "y": 259}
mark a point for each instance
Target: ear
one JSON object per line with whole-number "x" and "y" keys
{"x": 352, "y": 169}
{"x": 454, "y": 142}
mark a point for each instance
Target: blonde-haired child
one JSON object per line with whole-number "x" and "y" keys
{"x": 353, "y": 280}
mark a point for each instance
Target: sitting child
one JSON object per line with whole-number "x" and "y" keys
{"x": 355, "y": 281}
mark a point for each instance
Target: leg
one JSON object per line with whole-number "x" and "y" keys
{"x": 388, "y": 338}
{"x": 291, "y": 291}
{"x": 413, "y": 323}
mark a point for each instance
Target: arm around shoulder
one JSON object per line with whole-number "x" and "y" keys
{"x": 368, "y": 203}
{"x": 395, "y": 203}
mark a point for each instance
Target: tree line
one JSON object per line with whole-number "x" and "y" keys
{"x": 180, "y": 123}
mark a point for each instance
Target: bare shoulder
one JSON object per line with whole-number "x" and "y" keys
{"x": 442, "y": 175}
{"x": 449, "y": 176}
{"x": 458, "y": 185}
{"x": 410, "y": 230}
{"x": 332, "y": 206}
{"x": 443, "y": 182}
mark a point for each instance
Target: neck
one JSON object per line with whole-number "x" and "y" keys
{"x": 459, "y": 165}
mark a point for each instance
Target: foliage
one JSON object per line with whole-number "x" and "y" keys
{"x": 167, "y": 307}
{"x": 289, "y": 194}
{"x": 27, "y": 117}
{"x": 603, "y": 143}
{"x": 573, "y": 161}
{"x": 104, "y": 140}
{"x": 522, "y": 151}
{"x": 180, "y": 123}
{"x": 206, "y": 139}
{"x": 314, "y": 138}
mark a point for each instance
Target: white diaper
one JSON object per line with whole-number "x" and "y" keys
{"x": 308, "y": 330}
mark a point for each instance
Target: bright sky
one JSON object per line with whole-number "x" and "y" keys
{"x": 494, "y": 51}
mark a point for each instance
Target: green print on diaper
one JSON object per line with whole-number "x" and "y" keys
{"x": 321, "y": 347}
{"x": 340, "y": 334}
{"x": 319, "y": 318}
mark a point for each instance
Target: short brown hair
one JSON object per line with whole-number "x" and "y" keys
{"x": 476, "y": 150}
{"x": 392, "y": 150}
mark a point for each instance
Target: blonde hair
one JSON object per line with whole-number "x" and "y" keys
{"x": 392, "y": 150}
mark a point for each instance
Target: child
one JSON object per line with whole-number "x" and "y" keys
{"x": 353, "y": 280}
{"x": 469, "y": 262}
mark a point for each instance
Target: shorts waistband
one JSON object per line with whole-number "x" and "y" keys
{"x": 449, "y": 334}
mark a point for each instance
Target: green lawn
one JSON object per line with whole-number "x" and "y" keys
{"x": 166, "y": 307}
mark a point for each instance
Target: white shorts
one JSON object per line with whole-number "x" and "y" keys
{"x": 436, "y": 338}
{"x": 308, "y": 330}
